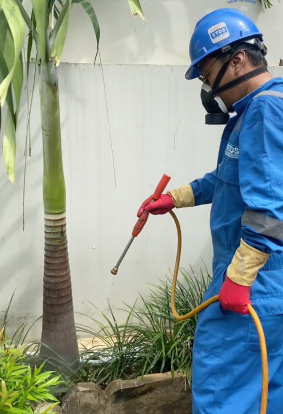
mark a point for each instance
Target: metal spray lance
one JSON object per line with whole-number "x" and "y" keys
{"x": 142, "y": 220}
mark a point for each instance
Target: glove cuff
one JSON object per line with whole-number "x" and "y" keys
{"x": 245, "y": 264}
{"x": 183, "y": 196}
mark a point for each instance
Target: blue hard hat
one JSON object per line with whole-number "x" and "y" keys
{"x": 217, "y": 30}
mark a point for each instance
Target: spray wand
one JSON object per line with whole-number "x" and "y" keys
{"x": 142, "y": 220}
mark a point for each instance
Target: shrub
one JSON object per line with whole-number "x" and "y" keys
{"x": 21, "y": 387}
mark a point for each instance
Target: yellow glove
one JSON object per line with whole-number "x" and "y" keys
{"x": 183, "y": 196}
{"x": 245, "y": 264}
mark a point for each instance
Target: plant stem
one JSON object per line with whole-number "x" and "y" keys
{"x": 54, "y": 191}
{"x": 58, "y": 329}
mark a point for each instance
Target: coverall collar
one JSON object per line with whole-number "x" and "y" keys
{"x": 240, "y": 106}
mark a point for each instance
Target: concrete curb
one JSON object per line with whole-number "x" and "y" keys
{"x": 156, "y": 393}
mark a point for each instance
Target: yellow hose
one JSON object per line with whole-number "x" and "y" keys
{"x": 263, "y": 351}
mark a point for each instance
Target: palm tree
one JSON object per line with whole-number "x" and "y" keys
{"x": 47, "y": 26}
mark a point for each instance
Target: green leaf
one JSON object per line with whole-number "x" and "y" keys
{"x": 91, "y": 13}
{"x": 16, "y": 354}
{"x": 42, "y": 377}
{"x": 48, "y": 410}
{"x": 3, "y": 73}
{"x": 7, "y": 59}
{"x": 4, "y": 389}
{"x": 30, "y": 42}
{"x": 49, "y": 397}
{"x": 53, "y": 381}
{"x": 37, "y": 371}
{"x": 17, "y": 82}
{"x": 2, "y": 331}
{"x": 136, "y": 8}
{"x": 17, "y": 28}
{"x": 19, "y": 410}
{"x": 31, "y": 398}
{"x": 28, "y": 376}
{"x": 59, "y": 41}
{"x": 9, "y": 147}
{"x": 18, "y": 372}
{"x": 266, "y": 3}
{"x": 50, "y": 5}
{"x": 40, "y": 12}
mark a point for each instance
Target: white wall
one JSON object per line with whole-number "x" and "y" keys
{"x": 157, "y": 126}
{"x": 164, "y": 39}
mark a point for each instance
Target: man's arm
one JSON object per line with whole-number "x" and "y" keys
{"x": 261, "y": 183}
{"x": 261, "y": 179}
{"x": 261, "y": 186}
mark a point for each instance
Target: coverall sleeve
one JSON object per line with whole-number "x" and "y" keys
{"x": 198, "y": 192}
{"x": 203, "y": 188}
{"x": 261, "y": 177}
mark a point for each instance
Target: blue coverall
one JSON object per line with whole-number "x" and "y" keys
{"x": 246, "y": 192}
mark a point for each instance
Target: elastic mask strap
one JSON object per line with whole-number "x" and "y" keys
{"x": 234, "y": 50}
{"x": 239, "y": 80}
{"x": 220, "y": 75}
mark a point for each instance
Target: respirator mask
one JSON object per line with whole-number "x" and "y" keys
{"x": 217, "y": 112}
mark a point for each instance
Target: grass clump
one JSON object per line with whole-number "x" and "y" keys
{"x": 150, "y": 340}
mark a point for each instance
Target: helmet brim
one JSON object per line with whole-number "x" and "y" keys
{"x": 192, "y": 73}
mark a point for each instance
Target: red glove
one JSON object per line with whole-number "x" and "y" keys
{"x": 160, "y": 206}
{"x": 235, "y": 297}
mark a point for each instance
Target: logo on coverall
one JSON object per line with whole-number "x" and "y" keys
{"x": 232, "y": 151}
{"x": 218, "y": 32}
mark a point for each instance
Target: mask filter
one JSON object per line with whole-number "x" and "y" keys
{"x": 217, "y": 113}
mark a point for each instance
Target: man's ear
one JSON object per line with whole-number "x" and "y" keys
{"x": 238, "y": 61}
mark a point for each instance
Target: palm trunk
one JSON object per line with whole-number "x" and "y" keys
{"x": 58, "y": 330}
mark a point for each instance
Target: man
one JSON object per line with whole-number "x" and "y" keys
{"x": 246, "y": 192}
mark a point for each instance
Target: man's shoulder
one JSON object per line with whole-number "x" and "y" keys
{"x": 268, "y": 105}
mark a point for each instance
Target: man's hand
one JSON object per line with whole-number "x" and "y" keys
{"x": 161, "y": 206}
{"x": 235, "y": 297}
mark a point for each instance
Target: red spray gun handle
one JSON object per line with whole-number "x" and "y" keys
{"x": 157, "y": 193}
